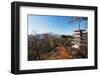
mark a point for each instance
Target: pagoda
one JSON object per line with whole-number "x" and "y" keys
{"x": 80, "y": 37}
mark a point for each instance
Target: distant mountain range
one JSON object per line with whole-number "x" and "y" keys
{"x": 54, "y": 34}
{"x": 40, "y": 36}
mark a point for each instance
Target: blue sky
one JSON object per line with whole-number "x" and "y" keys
{"x": 55, "y": 24}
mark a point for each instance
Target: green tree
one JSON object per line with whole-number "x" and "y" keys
{"x": 67, "y": 40}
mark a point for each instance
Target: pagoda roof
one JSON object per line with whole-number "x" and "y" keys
{"x": 79, "y": 30}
